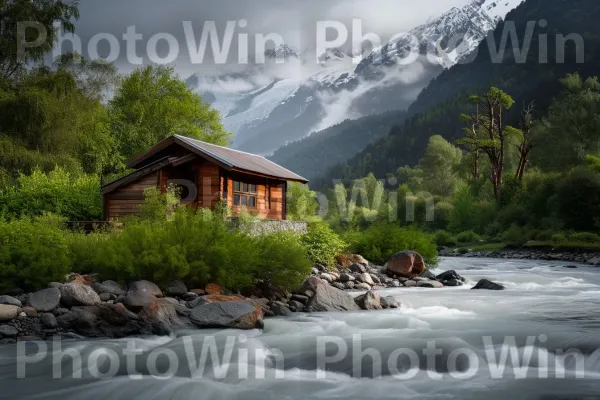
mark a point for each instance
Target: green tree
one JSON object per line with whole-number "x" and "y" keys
{"x": 153, "y": 104}
{"x": 439, "y": 166}
{"x": 301, "y": 202}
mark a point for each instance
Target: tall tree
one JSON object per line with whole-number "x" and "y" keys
{"x": 153, "y": 104}
{"x": 527, "y": 140}
{"x": 489, "y": 134}
{"x": 439, "y": 166}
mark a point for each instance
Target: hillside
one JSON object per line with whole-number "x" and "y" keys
{"x": 437, "y": 109}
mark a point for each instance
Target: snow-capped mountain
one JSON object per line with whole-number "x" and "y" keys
{"x": 291, "y": 95}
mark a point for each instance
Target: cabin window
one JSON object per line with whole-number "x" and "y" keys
{"x": 244, "y": 194}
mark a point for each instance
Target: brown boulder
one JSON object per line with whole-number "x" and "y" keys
{"x": 407, "y": 264}
{"x": 87, "y": 280}
{"x": 213, "y": 288}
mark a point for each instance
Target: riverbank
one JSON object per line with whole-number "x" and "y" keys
{"x": 575, "y": 255}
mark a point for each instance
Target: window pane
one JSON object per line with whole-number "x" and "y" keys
{"x": 252, "y": 202}
{"x": 236, "y": 186}
{"x": 245, "y": 187}
{"x": 236, "y": 199}
{"x": 252, "y": 188}
{"x": 244, "y": 201}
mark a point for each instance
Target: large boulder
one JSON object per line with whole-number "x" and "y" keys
{"x": 145, "y": 286}
{"x": 176, "y": 288}
{"x": 326, "y": 297}
{"x": 214, "y": 288}
{"x": 234, "y": 314}
{"x": 449, "y": 276}
{"x": 161, "y": 317}
{"x": 489, "y": 285}
{"x": 111, "y": 320}
{"x": 44, "y": 300}
{"x": 110, "y": 287}
{"x": 389, "y": 302}
{"x": 407, "y": 264}
{"x": 369, "y": 301}
{"x": 8, "y": 312}
{"x": 427, "y": 274}
{"x": 76, "y": 294}
{"x": 10, "y": 301}
{"x": 137, "y": 300}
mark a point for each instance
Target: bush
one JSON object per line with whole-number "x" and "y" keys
{"x": 34, "y": 252}
{"x": 514, "y": 236}
{"x": 381, "y": 240}
{"x": 322, "y": 244}
{"x": 468, "y": 237}
{"x": 444, "y": 238}
{"x": 584, "y": 237}
{"x": 559, "y": 238}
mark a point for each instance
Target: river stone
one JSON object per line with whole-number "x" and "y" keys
{"x": 410, "y": 283}
{"x": 29, "y": 312}
{"x": 375, "y": 278}
{"x": 296, "y": 304}
{"x": 11, "y": 301}
{"x": 408, "y": 264}
{"x": 489, "y": 285}
{"x": 389, "y": 302}
{"x": 339, "y": 285}
{"x": 366, "y": 278}
{"x": 346, "y": 278}
{"x": 76, "y": 294}
{"x": 326, "y": 277}
{"x": 49, "y": 321}
{"x": 234, "y": 314}
{"x": 452, "y": 282}
{"x": 8, "y": 312}
{"x": 357, "y": 268}
{"x": 176, "y": 288}
{"x": 430, "y": 284}
{"x": 198, "y": 301}
{"x": 363, "y": 286}
{"x": 110, "y": 287}
{"x": 145, "y": 286}
{"x": 369, "y": 301}
{"x": 281, "y": 311}
{"x": 301, "y": 298}
{"x": 137, "y": 300}
{"x": 161, "y": 317}
{"x": 448, "y": 276}
{"x": 105, "y": 297}
{"x": 189, "y": 296}
{"x": 428, "y": 275}
{"x": 44, "y": 300}
{"x": 8, "y": 331}
{"x": 349, "y": 285}
{"x": 327, "y": 298}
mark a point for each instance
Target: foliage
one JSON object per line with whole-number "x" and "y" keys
{"x": 444, "y": 238}
{"x": 33, "y": 252}
{"x": 301, "y": 202}
{"x": 322, "y": 244}
{"x": 439, "y": 166}
{"x": 468, "y": 237}
{"x": 578, "y": 200}
{"x": 158, "y": 205}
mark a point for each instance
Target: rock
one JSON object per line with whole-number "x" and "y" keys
{"x": 452, "y": 282}
{"x": 299, "y": 297}
{"x": 408, "y": 264}
{"x": 427, "y": 274}
{"x": 30, "y": 312}
{"x": 22, "y": 315}
{"x": 49, "y": 321}
{"x": 570, "y": 266}
{"x": 234, "y": 314}
{"x": 389, "y": 302}
{"x": 314, "y": 271}
{"x": 196, "y": 302}
{"x": 375, "y": 278}
{"x": 281, "y": 311}
{"x": 176, "y": 288}
{"x": 86, "y": 280}
{"x": 489, "y": 285}
{"x": 198, "y": 292}
{"x": 430, "y": 284}
{"x": 189, "y": 296}
{"x": 448, "y": 276}
{"x": 110, "y": 287}
{"x": 11, "y": 301}
{"x": 219, "y": 298}
{"x": 105, "y": 297}
{"x": 327, "y": 298}
{"x": 369, "y": 301}
{"x": 171, "y": 300}
{"x": 297, "y": 305}
{"x": 363, "y": 286}
{"x": 366, "y": 278}
{"x": 349, "y": 285}
{"x": 593, "y": 261}
{"x": 8, "y": 331}
{"x": 14, "y": 292}
{"x": 341, "y": 286}
{"x": 213, "y": 288}
{"x": 137, "y": 300}
{"x": 326, "y": 277}
{"x": 60, "y": 311}
{"x": 161, "y": 317}
{"x": 111, "y": 320}
{"x": 395, "y": 283}
{"x": 75, "y": 294}
{"x": 410, "y": 283}
{"x": 44, "y": 300}
{"x": 8, "y": 312}
{"x": 54, "y": 284}
{"x": 145, "y": 286}
{"x": 346, "y": 278}
{"x": 357, "y": 268}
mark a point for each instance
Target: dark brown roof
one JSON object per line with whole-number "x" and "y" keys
{"x": 229, "y": 159}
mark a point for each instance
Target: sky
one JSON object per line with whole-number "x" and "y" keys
{"x": 294, "y": 20}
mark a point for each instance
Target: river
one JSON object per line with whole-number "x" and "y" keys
{"x": 539, "y": 339}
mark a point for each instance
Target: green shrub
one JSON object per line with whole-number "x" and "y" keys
{"x": 559, "y": 238}
{"x": 158, "y": 205}
{"x": 463, "y": 250}
{"x": 322, "y": 244}
{"x": 444, "y": 238}
{"x": 514, "y": 236}
{"x": 381, "y": 240}
{"x": 585, "y": 237}
{"x": 33, "y": 252}
{"x": 468, "y": 237}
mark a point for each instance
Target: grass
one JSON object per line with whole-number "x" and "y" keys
{"x": 567, "y": 246}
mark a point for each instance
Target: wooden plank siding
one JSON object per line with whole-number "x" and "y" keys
{"x": 127, "y": 200}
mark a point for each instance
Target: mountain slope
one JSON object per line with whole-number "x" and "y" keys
{"x": 437, "y": 109}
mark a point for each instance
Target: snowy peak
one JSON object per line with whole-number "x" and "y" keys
{"x": 332, "y": 55}
{"x": 281, "y": 52}
{"x": 497, "y": 9}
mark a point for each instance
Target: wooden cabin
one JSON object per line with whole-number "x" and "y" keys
{"x": 207, "y": 174}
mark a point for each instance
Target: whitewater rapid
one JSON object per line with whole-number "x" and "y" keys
{"x": 549, "y": 315}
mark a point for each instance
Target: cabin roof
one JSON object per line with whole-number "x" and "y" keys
{"x": 227, "y": 158}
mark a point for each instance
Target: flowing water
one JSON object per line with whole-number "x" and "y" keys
{"x": 539, "y": 339}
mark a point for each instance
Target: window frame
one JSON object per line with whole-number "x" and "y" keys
{"x": 245, "y": 191}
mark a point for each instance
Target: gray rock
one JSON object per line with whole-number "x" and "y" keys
{"x": 136, "y": 300}
{"x": 363, "y": 286}
{"x": 110, "y": 287}
{"x": 314, "y": 271}
{"x": 369, "y": 301}
{"x": 327, "y": 298}
{"x": 326, "y": 277}
{"x": 390, "y": 302}
{"x": 8, "y": 331}
{"x": 11, "y": 301}
{"x": 198, "y": 301}
{"x": 60, "y": 311}
{"x": 281, "y": 311}
{"x": 232, "y": 314}
{"x": 430, "y": 284}
{"x": 375, "y": 278}
{"x": 428, "y": 274}
{"x": 349, "y": 285}
{"x": 346, "y": 278}
{"x": 75, "y": 294}
{"x": 8, "y": 312}
{"x": 145, "y": 286}
{"x": 299, "y": 297}
{"x": 105, "y": 296}
{"x": 44, "y": 300}
{"x": 489, "y": 285}
{"x": 357, "y": 268}
{"x": 189, "y": 296}
{"x": 49, "y": 321}
{"x": 366, "y": 278}
{"x": 54, "y": 284}
{"x": 341, "y": 286}
{"x": 452, "y": 282}
{"x": 449, "y": 275}
{"x": 296, "y": 304}
{"x": 396, "y": 283}
{"x": 163, "y": 317}
{"x": 410, "y": 283}
{"x": 176, "y": 288}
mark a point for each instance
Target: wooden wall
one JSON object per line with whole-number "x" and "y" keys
{"x": 127, "y": 200}
{"x": 269, "y": 197}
